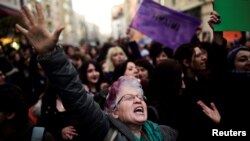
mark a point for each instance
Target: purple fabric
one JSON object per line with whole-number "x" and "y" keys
{"x": 164, "y": 25}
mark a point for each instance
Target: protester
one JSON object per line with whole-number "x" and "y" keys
{"x": 200, "y": 87}
{"x": 236, "y": 81}
{"x": 14, "y": 122}
{"x": 165, "y": 89}
{"x": 247, "y": 43}
{"x": 159, "y": 52}
{"x": 127, "y": 68}
{"x": 54, "y": 117}
{"x": 114, "y": 57}
{"x": 232, "y": 114}
{"x": 126, "y": 108}
{"x": 145, "y": 69}
{"x": 238, "y": 59}
{"x": 92, "y": 77}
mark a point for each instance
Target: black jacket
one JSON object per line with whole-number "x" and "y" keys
{"x": 93, "y": 122}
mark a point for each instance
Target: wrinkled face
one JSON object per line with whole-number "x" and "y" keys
{"x": 117, "y": 58}
{"x": 92, "y": 74}
{"x": 131, "y": 70}
{"x": 143, "y": 73}
{"x": 199, "y": 59}
{"x": 242, "y": 61}
{"x": 161, "y": 57}
{"x": 131, "y": 107}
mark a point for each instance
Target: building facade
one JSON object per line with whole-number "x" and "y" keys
{"x": 61, "y": 13}
{"x": 9, "y": 16}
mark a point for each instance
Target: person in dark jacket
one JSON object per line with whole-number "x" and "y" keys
{"x": 165, "y": 89}
{"x": 232, "y": 116}
{"x": 14, "y": 122}
{"x": 236, "y": 91}
{"x": 127, "y": 114}
{"x": 127, "y": 68}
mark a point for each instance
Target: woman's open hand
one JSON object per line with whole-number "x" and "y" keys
{"x": 212, "y": 112}
{"x": 37, "y": 32}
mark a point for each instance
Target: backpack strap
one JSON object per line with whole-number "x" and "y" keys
{"x": 37, "y": 133}
{"x": 112, "y": 133}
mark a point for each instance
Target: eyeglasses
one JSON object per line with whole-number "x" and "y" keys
{"x": 130, "y": 97}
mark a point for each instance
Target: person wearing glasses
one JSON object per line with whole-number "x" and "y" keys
{"x": 125, "y": 118}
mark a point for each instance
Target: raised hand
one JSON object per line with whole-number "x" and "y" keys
{"x": 41, "y": 39}
{"x": 212, "y": 112}
{"x": 214, "y": 19}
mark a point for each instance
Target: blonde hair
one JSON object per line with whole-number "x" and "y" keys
{"x": 109, "y": 66}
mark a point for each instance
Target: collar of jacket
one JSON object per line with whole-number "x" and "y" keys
{"x": 121, "y": 127}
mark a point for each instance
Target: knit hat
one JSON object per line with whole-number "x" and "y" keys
{"x": 232, "y": 54}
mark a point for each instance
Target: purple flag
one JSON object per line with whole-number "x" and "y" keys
{"x": 164, "y": 25}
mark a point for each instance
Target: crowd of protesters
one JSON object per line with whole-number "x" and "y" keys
{"x": 191, "y": 90}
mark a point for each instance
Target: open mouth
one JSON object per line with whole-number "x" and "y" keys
{"x": 137, "y": 76}
{"x": 203, "y": 65}
{"x": 139, "y": 109}
{"x": 94, "y": 78}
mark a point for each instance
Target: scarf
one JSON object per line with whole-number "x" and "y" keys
{"x": 151, "y": 131}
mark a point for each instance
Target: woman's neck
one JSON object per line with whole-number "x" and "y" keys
{"x": 92, "y": 88}
{"x": 136, "y": 130}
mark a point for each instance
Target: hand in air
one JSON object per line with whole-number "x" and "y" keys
{"x": 214, "y": 19}
{"x": 37, "y": 32}
{"x": 212, "y": 112}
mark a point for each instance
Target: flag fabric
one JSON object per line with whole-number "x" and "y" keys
{"x": 234, "y": 15}
{"x": 166, "y": 26}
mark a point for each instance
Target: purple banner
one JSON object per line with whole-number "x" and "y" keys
{"x": 164, "y": 25}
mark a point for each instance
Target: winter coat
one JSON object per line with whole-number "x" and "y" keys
{"x": 94, "y": 124}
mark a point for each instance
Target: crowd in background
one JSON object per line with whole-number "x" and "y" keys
{"x": 181, "y": 85}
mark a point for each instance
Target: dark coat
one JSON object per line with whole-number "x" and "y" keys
{"x": 93, "y": 122}
{"x": 236, "y": 102}
{"x": 24, "y": 133}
